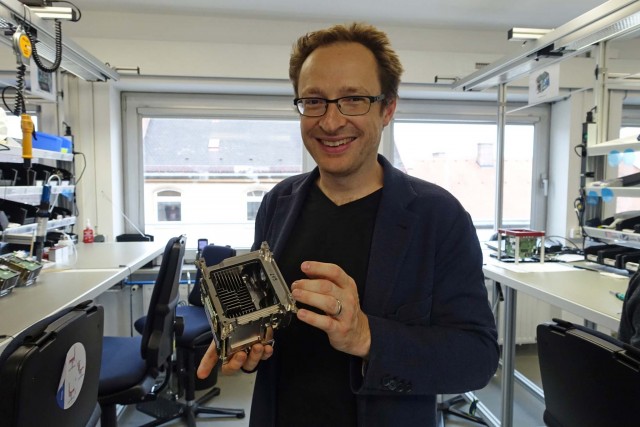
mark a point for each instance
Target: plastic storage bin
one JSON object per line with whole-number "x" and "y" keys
{"x": 44, "y": 141}
{"x": 66, "y": 145}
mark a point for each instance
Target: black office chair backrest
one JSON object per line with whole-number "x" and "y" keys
{"x": 157, "y": 344}
{"x": 212, "y": 254}
{"x": 49, "y": 373}
{"x": 133, "y": 237}
{"x": 588, "y": 378}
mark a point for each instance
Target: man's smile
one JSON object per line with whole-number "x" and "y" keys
{"x": 336, "y": 143}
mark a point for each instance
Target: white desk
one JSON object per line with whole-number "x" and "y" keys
{"x": 581, "y": 292}
{"x": 132, "y": 255}
{"x": 99, "y": 266}
{"x": 52, "y": 292}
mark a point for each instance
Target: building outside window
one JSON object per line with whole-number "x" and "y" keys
{"x": 169, "y": 205}
{"x": 626, "y": 164}
{"x": 213, "y": 166}
{"x": 254, "y": 198}
{"x": 461, "y": 158}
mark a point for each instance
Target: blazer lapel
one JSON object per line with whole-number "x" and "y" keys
{"x": 286, "y": 213}
{"x": 393, "y": 229}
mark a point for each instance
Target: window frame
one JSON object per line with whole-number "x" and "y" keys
{"x": 139, "y": 105}
{"x": 136, "y": 105}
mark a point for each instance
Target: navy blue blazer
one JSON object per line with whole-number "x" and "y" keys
{"x": 432, "y": 329}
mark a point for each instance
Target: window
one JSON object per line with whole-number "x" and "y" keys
{"x": 254, "y": 198}
{"x": 207, "y": 165}
{"x": 222, "y": 153}
{"x": 461, "y": 158}
{"x": 211, "y": 162}
{"x": 627, "y": 164}
{"x": 169, "y": 206}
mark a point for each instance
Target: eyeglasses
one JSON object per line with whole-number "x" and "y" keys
{"x": 354, "y": 105}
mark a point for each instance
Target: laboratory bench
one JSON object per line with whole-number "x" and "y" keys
{"x": 98, "y": 267}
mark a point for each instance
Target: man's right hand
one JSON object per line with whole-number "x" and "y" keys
{"x": 248, "y": 362}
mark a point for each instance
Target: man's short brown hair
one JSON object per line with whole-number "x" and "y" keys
{"x": 389, "y": 67}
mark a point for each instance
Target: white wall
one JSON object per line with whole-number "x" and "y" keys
{"x": 210, "y": 46}
{"x": 564, "y": 180}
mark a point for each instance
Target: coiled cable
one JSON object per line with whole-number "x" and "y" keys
{"x": 56, "y": 64}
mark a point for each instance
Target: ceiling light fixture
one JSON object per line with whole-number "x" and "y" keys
{"x": 53, "y": 12}
{"x": 526, "y": 34}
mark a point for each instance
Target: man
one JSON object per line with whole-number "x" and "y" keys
{"x": 386, "y": 268}
{"x": 629, "y": 329}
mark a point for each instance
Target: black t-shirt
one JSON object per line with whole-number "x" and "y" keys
{"x": 313, "y": 378}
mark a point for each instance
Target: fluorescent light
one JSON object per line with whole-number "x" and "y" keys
{"x": 525, "y": 34}
{"x": 51, "y": 12}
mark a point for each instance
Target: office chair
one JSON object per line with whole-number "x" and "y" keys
{"x": 190, "y": 347}
{"x": 132, "y": 367}
{"x": 136, "y": 237}
{"x": 447, "y": 408}
{"x": 49, "y": 373}
{"x": 588, "y": 378}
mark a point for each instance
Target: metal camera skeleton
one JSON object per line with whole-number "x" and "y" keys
{"x": 243, "y": 296}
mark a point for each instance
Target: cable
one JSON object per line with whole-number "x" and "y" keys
{"x": 57, "y": 195}
{"x": 56, "y": 63}
{"x": 20, "y": 106}
{"x": 84, "y": 166}
{"x": 76, "y": 181}
{"x": 58, "y": 42}
{"x": 563, "y": 238}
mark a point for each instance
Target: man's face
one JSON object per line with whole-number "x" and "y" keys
{"x": 343, "y": 145}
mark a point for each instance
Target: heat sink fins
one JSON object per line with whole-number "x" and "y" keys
{"x": 233, "y": 294}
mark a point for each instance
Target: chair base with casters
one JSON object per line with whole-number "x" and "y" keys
{"x": 165, "y": 409}
{"x": 195, "y": 340}
{"x": 446, "y": 407}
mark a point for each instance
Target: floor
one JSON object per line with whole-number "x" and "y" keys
{"x": 235, "y": 393}
{"x": 528, "y": 409}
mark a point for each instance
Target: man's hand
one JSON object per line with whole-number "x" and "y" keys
{"x": 333, "y": 291}
{"x": 238, "y": 360}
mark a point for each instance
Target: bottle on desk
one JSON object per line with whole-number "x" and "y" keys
{"x": 87, "y": 233}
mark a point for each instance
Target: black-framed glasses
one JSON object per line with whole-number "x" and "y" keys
{"x": 354, "y": 105}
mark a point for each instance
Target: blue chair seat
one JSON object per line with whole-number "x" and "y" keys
{"x": 122, "y": 366}
{"x": 196, "y": 326}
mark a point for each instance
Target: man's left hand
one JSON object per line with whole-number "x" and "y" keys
{"x": 333, "y": 291}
